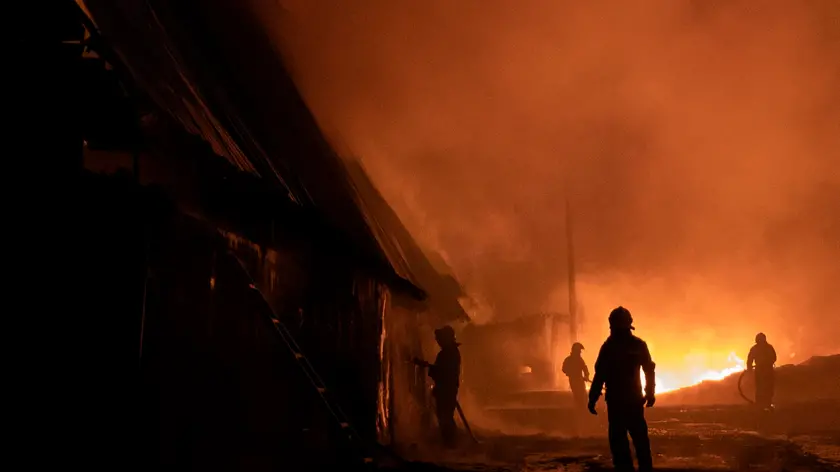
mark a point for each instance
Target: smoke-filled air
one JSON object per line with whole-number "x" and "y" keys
{"x": 697, "y": 143}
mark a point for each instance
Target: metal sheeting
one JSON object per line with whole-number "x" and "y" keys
{"x": 400, "y": 246}
{"x": 210, "y": 65}
{"x": 153, "y": 45}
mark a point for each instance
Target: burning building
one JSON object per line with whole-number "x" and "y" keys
{"x": 249, "y": 299}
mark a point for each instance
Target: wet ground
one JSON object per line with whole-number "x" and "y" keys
{"x": 805, "y": 438}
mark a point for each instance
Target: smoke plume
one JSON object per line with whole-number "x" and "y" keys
{"x": 698, "y": 143}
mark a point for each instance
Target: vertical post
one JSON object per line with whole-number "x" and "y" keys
{"x": 135, "y": 163}
{"x": 143, "y": 306}
{"x": 573, "y": 321}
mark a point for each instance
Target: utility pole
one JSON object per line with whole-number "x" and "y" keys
{"x": 573, "y": 321}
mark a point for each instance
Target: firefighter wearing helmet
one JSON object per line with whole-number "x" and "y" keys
{"x": 578, "y": 373}
{"x": 763, "y": 355}
{"x": 446, "y": 374}
{"x": 621, "y": 357}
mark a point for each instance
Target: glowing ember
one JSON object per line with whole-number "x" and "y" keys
{"x": 669, "y": 380}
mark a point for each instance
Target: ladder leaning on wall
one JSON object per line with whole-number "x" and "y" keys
{"x": 369, "y": 453}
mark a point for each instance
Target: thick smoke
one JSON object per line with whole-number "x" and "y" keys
{"x": 698, "y": 143}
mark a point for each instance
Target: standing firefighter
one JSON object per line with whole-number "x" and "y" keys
{"x": 446, "y": 373}
{"x": 617, "y": 367}
{"x": 764, "y": 357}
{"x": 575, "y": 369}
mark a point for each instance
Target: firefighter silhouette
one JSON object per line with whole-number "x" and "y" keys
{"x": 574, "y": 367}
{"x": 763, "y": 356}
{"x": 446, "y": 374}
{"x": 621, "y": 357}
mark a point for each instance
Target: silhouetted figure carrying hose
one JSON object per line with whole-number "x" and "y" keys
{"x": 446, "y": 373}
{"x": 619, "y": 361}
{"x": 763, "y": 356}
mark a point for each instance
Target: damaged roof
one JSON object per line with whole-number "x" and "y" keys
{"x": 210, "y": 65}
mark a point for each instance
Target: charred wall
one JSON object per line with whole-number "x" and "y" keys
{"x": 332, "y": 310}
{"x": 214, "y": 387}
{"x": 370, "y": 317}
{"x": 360, "y": 335}
{"x": 163, "y": 357}
{"x": 405, "y": 400}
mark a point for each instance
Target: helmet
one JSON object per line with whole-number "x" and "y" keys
{"x": 760, "y": 338}
{"x": 445, "y": 333}
{"x": 577, "y": 347}
{"x": 620, "y": 318}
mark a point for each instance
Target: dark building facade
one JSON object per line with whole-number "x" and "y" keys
{"x": 230, "y": 216}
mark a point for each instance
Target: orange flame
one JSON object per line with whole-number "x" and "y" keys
{"x": 669, "y": 380}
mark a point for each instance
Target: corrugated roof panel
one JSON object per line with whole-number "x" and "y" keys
{"x": 210, "y": 65}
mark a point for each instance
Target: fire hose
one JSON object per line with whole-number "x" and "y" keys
{"x": 741, "y": 390}
{"x": 460, "y": 411}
